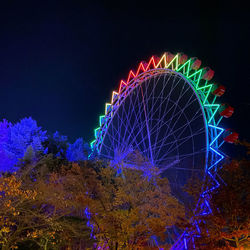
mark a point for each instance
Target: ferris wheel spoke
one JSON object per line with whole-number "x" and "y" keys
{"x": 171, "y": 90}
{"x": 178, "y": 140}
{"x": 164, "y": 138}
{"x": 140, "y": 131}
{"x": 181, "y": 94}
{"x": 180, "y": 157}
{"x": 127, "y": 128}
{"x": 134, "y": 136}
{"x": 156, "y": 129}
{"x": 159, "y": 110}
{"x": 186, "y": 169}
{"x": 165, "y": 157}
{"x": 111, "y": 137}
{"x": 106, "y": 148}
{"x": 137, "y": 124}
{"x": 181, "y": 109}
{"x": 151, "y": 94}
{"x": 142, "y": 124}
{"x": 163, "y": 124}
{"x": 146, "y": 109}
{"x": 167, "y": 97}
{"x": 179, "y": 113}
{"x": 141, "y": 127}
{"x": 155, "y": 84}
{"x": 166, "y": 122}
{"x": 182, "y": 141}
{"x": 114, "y": 133}
{"x": 182, "y": 128}
{"x": 142, "y": 141}
{"x": 147, "y": 127}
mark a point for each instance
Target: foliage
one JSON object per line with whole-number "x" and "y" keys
{"x": 78, "y": 151}
{"x": 26, "y": 133}
{"x": 127, "y": 211}
{"x": 24, "y": 143}
{"x": 44, "y": 209}
{"x": 30, "y": 212}
{"x": 57, "y": 145}
{"x": 7, "y": 159}
{"x": 228, "y": 224}
{"x": 16, "y": 139}
{"x": 13, "y": 198}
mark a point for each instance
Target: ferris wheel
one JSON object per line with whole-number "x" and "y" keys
{"x": 166, "y": 110}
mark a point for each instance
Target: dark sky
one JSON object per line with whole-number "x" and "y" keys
{"x": 60, "y": 60}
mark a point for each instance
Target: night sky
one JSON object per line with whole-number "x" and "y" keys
{"x": 60, "y": 60}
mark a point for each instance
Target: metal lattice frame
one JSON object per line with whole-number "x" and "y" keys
{"x": 201, "y": 89}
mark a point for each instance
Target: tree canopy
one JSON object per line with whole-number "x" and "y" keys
{"x": 53, "y": 197}
{"x": 227, "y": 225}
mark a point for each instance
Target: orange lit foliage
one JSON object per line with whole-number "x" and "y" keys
{"x": 13, "y": 200}
{"x": 129, "y": 209}
{"x": 46, "y": 212}
{"x": 228, "y": 226}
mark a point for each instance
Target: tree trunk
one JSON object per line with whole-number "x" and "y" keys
{"x": 237, "y": 242}
{"x": 5, "y": 247}
{"x": 46, "y": 243}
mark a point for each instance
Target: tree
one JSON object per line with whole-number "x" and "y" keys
{"x": 78, "y": 151}
{"x": 75, "y": 205}
{"x": 228, "y": 224}
{"x": 128, "y": 210}
{"x": 7, "y": 159}
{"x": 57, "y": 145}
{"x": 26, "y": 133}
{"x": 25, "y": 141}
{"x": 16, "y": 139}
{"x": 30, "y": 213}
{"x": 12, "y": 199}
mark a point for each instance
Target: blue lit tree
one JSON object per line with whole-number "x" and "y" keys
{"x": 26, "y": 133}
{"x": 7, "y": 159}
{"x": 78, "y": 151}
{"x": 57, "y": 145}
{"x": 25, "y": 140}
{"x": 16, "y": 139}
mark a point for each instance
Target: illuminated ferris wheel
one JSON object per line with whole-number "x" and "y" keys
{"x": 166, "y": 110}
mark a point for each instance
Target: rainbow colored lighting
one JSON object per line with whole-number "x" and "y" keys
{"x": 221, "y": 157}
{"x": 221, "y": 130}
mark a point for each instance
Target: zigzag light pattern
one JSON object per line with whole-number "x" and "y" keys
{"x": 202, "y": 88}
